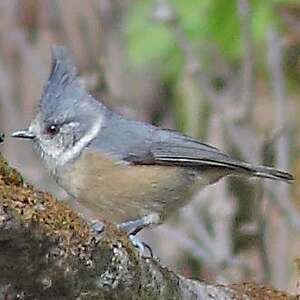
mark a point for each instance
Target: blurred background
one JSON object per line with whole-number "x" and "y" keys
{"x": 224, "y": 71}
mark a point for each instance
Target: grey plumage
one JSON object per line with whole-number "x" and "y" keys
{"x": 141, "y": 143}
{"x": 117, "y": 167}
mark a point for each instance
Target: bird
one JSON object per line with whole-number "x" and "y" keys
{"x": 116, "y": 168}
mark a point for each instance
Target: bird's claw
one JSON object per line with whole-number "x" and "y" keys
{"x": 137, "y": 243}
{"x": 140, "y": 246}
{"x": 132, "y": 228}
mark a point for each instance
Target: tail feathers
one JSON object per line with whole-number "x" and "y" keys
{"x": 271, "y": 173}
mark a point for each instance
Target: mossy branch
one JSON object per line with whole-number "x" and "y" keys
{"x": 48, "y": 252}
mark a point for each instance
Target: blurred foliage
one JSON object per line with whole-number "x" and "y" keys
{"x": 205, "y": 22}
{"x": 213, "y": 28}
{"x": 149, "y": 41}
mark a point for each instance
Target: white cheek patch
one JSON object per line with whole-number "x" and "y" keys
{"x": 47, "y": 150}
{"x": 82, "y": 143}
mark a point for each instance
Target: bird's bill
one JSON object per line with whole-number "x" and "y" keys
{"x": 23, "y": 134}
{"x": 1, "y": 137}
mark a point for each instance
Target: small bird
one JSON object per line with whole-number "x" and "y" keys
{"x": 129, "y": 172}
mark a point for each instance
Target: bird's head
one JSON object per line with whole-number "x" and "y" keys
{"x": 67, "y": 118}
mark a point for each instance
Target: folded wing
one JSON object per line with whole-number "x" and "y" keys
{"x": 172, "y": 148}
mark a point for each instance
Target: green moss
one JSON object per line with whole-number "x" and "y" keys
{"x": 8, "y": 174}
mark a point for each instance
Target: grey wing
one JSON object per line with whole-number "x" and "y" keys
{"x": 140, "y": 143}
{"x": 172, "y": 148}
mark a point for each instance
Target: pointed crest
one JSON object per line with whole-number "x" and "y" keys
{"x": 63, "y": 70}
{"x": 62, "y": 83}
{"x": 63, "y": 88}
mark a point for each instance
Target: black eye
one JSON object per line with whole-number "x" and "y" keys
{"x": 52, "y": 129}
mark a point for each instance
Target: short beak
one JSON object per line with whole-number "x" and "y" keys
{"x": 24, "y": 134}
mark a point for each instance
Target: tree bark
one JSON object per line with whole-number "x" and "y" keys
{"x": 48, "y": 252}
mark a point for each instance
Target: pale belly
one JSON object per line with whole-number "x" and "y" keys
{"x": 121, "y": 192}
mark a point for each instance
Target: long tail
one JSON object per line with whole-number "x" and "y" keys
{"x": 268, "y": 172}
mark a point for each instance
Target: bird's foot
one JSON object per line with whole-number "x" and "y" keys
{"x": 135, "y": 226}
{"x": 96, "y": 228}
{"x": 140, "y": 246}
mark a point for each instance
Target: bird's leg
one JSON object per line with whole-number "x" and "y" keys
{"x": 132, "y": 228}
{"x": 135, "y": 226}
{"x": 141, "y": 246}
{"x": 96, "y": 228}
